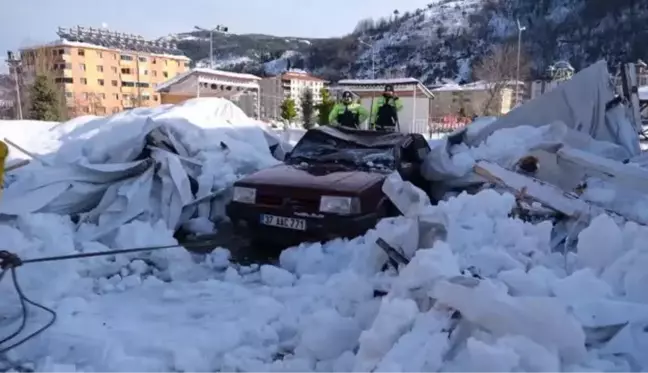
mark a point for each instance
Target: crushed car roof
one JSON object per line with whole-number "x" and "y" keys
{"x": 366, "y": 138}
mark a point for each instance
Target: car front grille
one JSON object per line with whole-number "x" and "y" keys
{"x": 295, "y": 203}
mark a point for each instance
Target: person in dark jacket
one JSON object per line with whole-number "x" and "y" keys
{"x": 348, "y": 114}
{"x": 384, "y": 114}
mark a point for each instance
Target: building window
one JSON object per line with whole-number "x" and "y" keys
{"x": 145, "y": 72}
{"x": 165, "y": 74}
{"x": 68, "y": 94}
{"x": 64, "y": 80}
{"x": 82, "y": 66}
{"x": 128, "y": 84}
{"x": 84, "y": 81}
{"x": 155, "y": 98}
{"x": 116, "y": 95}
{"x": 126, "y": 71}
{"x": 114, "y": 83}
{"x": 142, "y": 59}
{"x": 99, "y": 54}
{"x": 142, "y": 85}
{"x": 178, "y": 63}
{"x": 100, "y": 68}
{"x": 125, "y": 57}
{"x": 85, "y": 95}
{"x": 166, "y": 62}
{"x": 101, "y": 82}
{"x": 81, "y": 52}
{"x": 154, "y": 73}
{"x": 103, "y": 96}
{"x": 114, "y": 56}
{"x": 186, "y": 64}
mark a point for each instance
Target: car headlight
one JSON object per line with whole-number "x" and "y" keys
{"x": 340, "y": 205}
{"x": 244, "y": 195}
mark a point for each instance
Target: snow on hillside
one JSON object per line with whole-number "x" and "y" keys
{"x": 224, "y": 63}
{"x": 279, "y": 65}
{"x": 415, "y": 34}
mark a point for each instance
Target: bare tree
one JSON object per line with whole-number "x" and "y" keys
{"x": 89, "y": 103}
{"x": 95, "y": 104}
{"x": 498, "y": 71}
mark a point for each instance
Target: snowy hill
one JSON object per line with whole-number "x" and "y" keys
{"x": 250, "y": 53}
{"x": 444, "y": 39}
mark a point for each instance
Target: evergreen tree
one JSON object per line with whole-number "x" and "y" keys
{"x": 288, "y": 109}
{"x": 307, "y": 108}
{"x": 44, "y": 100}
{"x": 325, "y": 107}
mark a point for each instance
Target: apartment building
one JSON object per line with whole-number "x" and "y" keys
{"x": 471, "y": 99}
{"x": 291, "y": 84}
{"x": 102, "y": 72}
{"x": 241, "y": 89}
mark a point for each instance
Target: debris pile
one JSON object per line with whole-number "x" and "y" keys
{"x": 574, "y": 299}
{"x": 173, "y": 163}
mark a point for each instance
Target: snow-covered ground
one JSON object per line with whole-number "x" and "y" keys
{"x": 531, "y": 310}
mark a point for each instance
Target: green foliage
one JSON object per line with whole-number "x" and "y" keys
{"x": 307, "y": 108}
{"x": 44, "y": 100}
{"x": 288, "y": 109}
{"x": 325, "y": 107}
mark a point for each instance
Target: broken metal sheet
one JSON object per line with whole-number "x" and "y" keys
{"x": 580, "y": 103}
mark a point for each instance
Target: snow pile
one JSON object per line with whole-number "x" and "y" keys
{"x": 147, "y": 163}
{"x": 520, "y": 306}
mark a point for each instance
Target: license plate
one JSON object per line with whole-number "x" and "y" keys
{"x": 283, "y": 222}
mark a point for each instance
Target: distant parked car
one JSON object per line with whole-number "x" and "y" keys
{"x": 329, "y": 186}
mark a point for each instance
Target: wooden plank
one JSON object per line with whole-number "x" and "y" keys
{"x": 546, "y": 194}
{"x": 631, "y": 177}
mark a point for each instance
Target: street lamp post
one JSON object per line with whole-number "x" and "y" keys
{"x": 373, "y": 58}
{"x": 517, "y": 75}
{"x": 219, "y": 28}
{"x": 14, "y": 63}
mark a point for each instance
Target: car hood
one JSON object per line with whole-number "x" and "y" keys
{"x": 313, "y": 178}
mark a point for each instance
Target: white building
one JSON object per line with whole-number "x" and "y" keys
{"x": 242, "y": 89}
{"x": 290, "y": 84}
{"x": 416, "y": 98}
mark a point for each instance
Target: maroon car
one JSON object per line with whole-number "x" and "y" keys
{"x": 329, "y": 186}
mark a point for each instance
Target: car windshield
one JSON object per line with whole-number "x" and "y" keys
{"x": 320, "y": 148}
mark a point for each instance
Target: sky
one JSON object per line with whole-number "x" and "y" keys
{"x": 35, "y": 21}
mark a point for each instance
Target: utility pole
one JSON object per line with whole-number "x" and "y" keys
{"x": 14, "y": 63}
{"x": 517, "y": 75}
{"x": 219, "y": 28}
{"x": 373, "y": 58}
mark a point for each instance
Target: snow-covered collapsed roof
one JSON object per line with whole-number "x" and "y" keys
{"x": 490, "y": 296}
{"x": 377, "y": 84}
{"x": 249, "y": 78}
